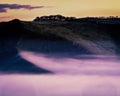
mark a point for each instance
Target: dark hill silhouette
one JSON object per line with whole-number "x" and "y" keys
{"x": 79, "y": 36}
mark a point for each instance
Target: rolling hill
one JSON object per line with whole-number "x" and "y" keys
{"x": 49, "y": 37}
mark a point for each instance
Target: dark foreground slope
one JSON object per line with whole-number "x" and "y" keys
{"x": 76, "y": 37}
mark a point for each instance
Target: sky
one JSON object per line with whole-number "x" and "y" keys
{"x": 29, "y": 9}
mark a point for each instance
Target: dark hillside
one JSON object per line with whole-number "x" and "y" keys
{"x": 50, "y": 37}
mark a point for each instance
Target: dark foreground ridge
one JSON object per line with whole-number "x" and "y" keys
{"x": 80, "y": 36}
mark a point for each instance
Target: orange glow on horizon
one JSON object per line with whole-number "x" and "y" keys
{"x": 76, "y": 8}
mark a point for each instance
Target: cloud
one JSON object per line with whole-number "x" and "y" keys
{"x": 5, "y": 7}
{"x": 4, "y": 17}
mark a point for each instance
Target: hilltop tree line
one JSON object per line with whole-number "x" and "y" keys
{"x": 54, "y": 18}
{"x": 98, "y": 20}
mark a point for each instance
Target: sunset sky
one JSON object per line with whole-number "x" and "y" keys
{"x": 29, "y": 9}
